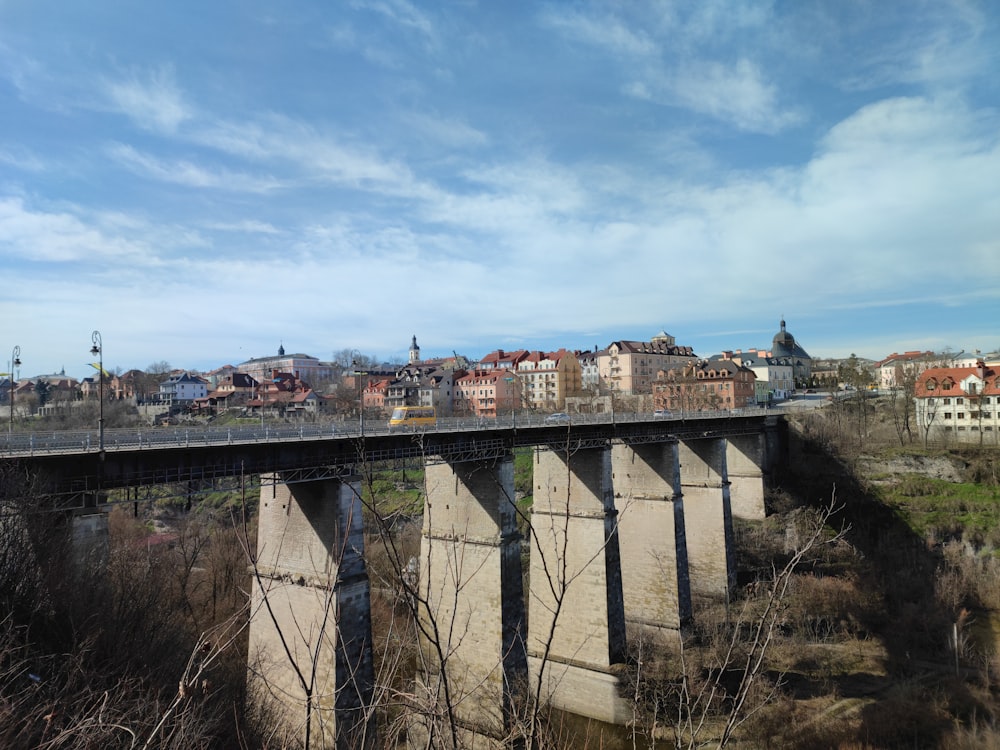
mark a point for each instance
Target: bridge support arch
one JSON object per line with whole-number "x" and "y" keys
{"x": 576, "y": 627}
{"x": 310, "y": 627}
{"x": 472, "y": 594}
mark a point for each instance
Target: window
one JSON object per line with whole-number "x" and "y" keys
{"x": 947, "y": 415}
{"x": 959, "y": 400}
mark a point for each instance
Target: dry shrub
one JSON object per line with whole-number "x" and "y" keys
{"x": 787, "y": 725}
{"x": 971, "y": 738}
{"x": 820, "y": 607}
{"x": 911, "y": 714}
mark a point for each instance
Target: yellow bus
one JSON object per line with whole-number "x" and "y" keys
{"x": 413, "y": 416}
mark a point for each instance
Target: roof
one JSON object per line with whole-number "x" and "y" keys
{"x": 905, "y": 357}
{"x": 936, "y": 381}
{"x": 784, "y": 345}
{"x": 652, "y": 347}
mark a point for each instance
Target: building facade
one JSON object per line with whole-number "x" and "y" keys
{"x": 302, "y": 366}
{"x": 959, "y": 404}
{"x": 705, "y": 386}
{"x": 630, "y": 367}
{"x": 486, "y": 393}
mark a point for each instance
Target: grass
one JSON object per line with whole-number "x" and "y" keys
{"x": 396, "y": 491}
{"x": 931, "y": 506}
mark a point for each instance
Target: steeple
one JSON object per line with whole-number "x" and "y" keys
{"x": 414, "y": 351}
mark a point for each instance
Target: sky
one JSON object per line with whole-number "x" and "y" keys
{"x": 203, "y": 182}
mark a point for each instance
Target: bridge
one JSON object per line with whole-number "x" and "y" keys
{"x": 632, "y": 517}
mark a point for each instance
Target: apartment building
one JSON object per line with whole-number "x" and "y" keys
{"x": 894, "y": 370}
{"x": 704, "y": 386}
{"x": 960, "y": 404}
{"x": 776, "y": 373}
{"x": 547, "y": 378}
{"x": 486, "y": 393}
{"x": 630, "y": 367}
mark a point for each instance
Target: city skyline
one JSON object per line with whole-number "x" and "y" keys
{"x": 202, "y": 185}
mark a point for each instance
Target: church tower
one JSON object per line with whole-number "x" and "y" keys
{"x": 414, "y": 352}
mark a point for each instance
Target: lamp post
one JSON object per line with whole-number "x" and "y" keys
{"x": 98, "y": 350}
{"x": 361, "y": 393}
{"x": 15, "y": 361}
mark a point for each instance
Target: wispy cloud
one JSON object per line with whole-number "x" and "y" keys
{"x": 153, "y": 100}
{"x": 49, "y": 236}
{"x": 737, "y": 93}
{"x": 605, "y": 31}
{"x": 400, "y": 12}
{"x": 21, "y": 158}
{"x": 188, "y": 173}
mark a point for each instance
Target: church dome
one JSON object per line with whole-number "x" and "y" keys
{"x": 783, "y": 343}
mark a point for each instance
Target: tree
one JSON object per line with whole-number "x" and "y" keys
{"x": 901, "y": 402}
{"x": 43, "y": 391}
{"x": 352, "y": 359}
{"x": 713, "y": 688}
{"x": 854, "y": 374}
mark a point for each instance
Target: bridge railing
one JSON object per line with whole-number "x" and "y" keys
{"x": 86, "y": 441}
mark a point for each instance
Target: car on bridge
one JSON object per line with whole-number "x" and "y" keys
{"x": 558, "y": 418}
{"x": 662, "y": 414}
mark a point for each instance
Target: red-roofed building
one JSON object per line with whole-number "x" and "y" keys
{"x": 959, "y": 404}
{"x": 894, "y": 370}
{"x": 486, "y": 393}
{"x": 547, "y": 378}
{"x": 630, "y": 367}
{"x": 705, "y": 386}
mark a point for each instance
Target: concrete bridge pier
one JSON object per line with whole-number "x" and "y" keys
{"x": 656, "y": 588}
{"x": 89, "y": 535}
{"x": 576, "y": 627}
{"x": 708, "y": 518}
{"x": 310, "y": 627}
{"x": 473, "y": 594}
{"x": 746, "y": 462}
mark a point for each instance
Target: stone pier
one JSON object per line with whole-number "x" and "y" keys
{"x": 708, "y": 519}
{"x": 471, "y": 582}
{"x": 745, "y": 463}
{"x": 89, "y": 535}
{"x": 657, "y": 591}
{"x": 576, "y": 583}
{"x": 310, "y": 628}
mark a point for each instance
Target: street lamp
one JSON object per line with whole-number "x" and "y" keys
{"x": 361, "y": 393}
{"x": 98, "y": 350}
{"x": 15, "y": 361}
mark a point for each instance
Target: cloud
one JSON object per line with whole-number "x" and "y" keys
{"x": 22, "y": 158}
{"x": 400, "y": 12}
{"x": 736, "y": 93}
{"x": 43, "y": 236}
{"x": 153, "y": 101}
{"x": 248, "y": 226}
{"x": 187, "y": 173}
{"x": 669, "y": 73}
{"x": 605, "y": 32}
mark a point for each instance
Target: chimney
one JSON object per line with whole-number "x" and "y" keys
{"x": 981, "y": 369}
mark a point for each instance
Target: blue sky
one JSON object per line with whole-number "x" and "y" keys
{"x": 203, "y": 181}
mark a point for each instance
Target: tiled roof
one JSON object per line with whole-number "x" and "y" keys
{"x": 940, "y": 377}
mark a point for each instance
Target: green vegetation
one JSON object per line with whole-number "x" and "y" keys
{"x": 396, "y": 490}
{"x": 935, "y": 508}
